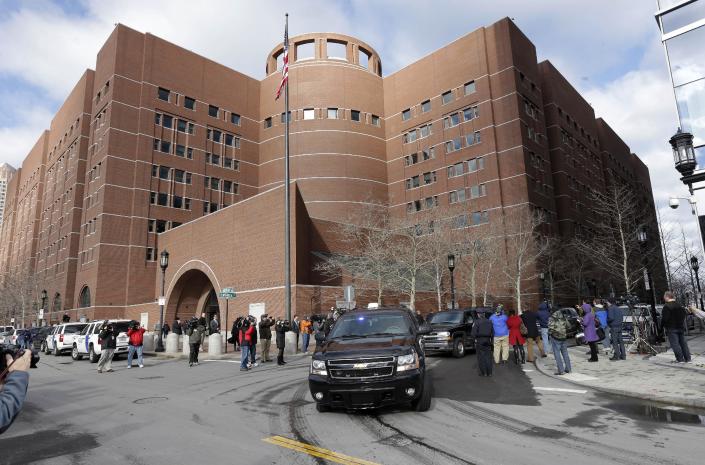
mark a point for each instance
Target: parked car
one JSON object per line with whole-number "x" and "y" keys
{"x": 450, "y": 331}
{"x": 575, "y": 327}
{"x": 39, "y": 336}
{"x": 369, "y": 359}
{"x": 61, "y": 339}
{"x": 88, "y": 343}
{"x": 6, "y": 332}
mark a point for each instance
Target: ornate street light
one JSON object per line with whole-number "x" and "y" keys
{"x": 683, "y": 152}
{"x": 451, "y": 267}
{"x": 164, "y": 264}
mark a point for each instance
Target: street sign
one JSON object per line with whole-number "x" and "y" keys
{"x": 162, "y": 301}
{"x": 345, "y": 304}
{"x": 41, "y": 313}
{"x": 227, "y": 293}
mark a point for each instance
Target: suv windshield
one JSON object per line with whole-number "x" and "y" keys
{"x": 73, "y": 329}
{"x": 444, "y": 318}
{"x": 367, "y": 325}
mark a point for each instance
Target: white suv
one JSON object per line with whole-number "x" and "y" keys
{"x": 61, "y": 339}
{"x": 88, "y": 342}
{"x": 6, "y": 333}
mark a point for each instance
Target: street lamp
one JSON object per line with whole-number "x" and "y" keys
{"x": 674, "y": 202}
{"x": 451, "y": 267}
{"x": 643, "y": 240}
{"x": 542, "y": 277}
{"x": 163, "y": 263}
{"x": 683, "y": 153}
{"x": 696, "y": 266}
{"x": 44, "y": 296}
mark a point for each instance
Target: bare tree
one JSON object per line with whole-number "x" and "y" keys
{"x": 438, "y": 244}
{"x": 525, "y": 247}
{"x": 573, "y": 266}
{"x": 19, "y": 295}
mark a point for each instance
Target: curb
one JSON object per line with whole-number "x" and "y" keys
{"x": 680, "y": 366}
{"x": 663, "y": 399}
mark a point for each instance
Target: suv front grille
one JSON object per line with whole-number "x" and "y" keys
{"x": 363, "y": 368}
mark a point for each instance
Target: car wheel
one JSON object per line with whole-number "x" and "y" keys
{"x": 44, "y": 348}
{"x": 322, "y": 408}
{"x": 74, "y": 353}
{"x": 56, "y": 352}
{"x": 458, "y": 348}
{"x": 92, "y": 355}
{"x": 423, "y": 402}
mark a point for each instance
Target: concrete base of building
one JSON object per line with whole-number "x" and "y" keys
{"x": 290, "y": 347}
{"x": 215, "y": 344}
{"x": 172, "y": 343}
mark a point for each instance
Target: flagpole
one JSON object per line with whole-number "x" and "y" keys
{"x": 287, "y": 228}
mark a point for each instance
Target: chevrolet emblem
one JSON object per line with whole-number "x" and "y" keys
{"x": 358, "y": 366}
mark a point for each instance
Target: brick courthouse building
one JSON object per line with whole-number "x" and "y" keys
{"x": 162, "y": 149}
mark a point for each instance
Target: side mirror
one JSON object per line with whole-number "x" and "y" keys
{"x": 424, "y": 328}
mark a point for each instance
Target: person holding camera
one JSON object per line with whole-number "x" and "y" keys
{"x": 281, "y": 327}
{"x": 194, "y": 333}
{"x": 265, "y": 332}
{"x": 136, "y": 335}
{"x": 246, "y": 331}
{"x": 235, "y": 333}
{"x": 14, "y": 388}
{"x": 108, "y": 344}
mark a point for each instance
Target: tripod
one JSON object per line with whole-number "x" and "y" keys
{"x": 639, "y": 342}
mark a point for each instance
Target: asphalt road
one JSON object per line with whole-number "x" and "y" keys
{"x": 168, "y": 413}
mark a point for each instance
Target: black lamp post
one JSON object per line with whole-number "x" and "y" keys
{"x": 594, "y": 288}
{"x": 643, "y": 240}
{"x": 684, "y": 158}
{"x": 451, "y": 267}
{"x": 163, "y": 263}
{"x": 696, "y": 266}
{"x": 542, "y": 277}
{"x": 44, "y": 302}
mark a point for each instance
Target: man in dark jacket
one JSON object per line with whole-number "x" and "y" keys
{"x": 296, "y": 328}
{"x": 253, "y": 344}
{"x": 615, "y": 319}
{"x": 14, "y": 389}
{"x": 176, "y": 327}
{"x": 265, "y": 333}
{"x": 482, "y": 331}
{"x": 673, "y": 320}
{"x": 543, "y": 315}
{"x": 204, "y": 323}
{"x": 107, "y": 347}
{"x": 215, "y": 325}
{"x": 531, "y": 321}
{"x": 281, "y": 327}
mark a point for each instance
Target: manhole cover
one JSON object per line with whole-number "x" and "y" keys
{"x": 150, "y": 400}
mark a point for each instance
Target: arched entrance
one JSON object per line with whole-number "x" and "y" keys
{"x": 192, "y": 294}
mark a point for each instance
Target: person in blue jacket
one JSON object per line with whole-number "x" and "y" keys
{"x": 501, "y": 335}
{"x": 14, "y": 389}
{"x": 601, "y": 314}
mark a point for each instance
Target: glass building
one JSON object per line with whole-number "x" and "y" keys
{"x": 682, "y": 24}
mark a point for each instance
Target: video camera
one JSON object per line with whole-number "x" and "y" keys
{"x": 15, "y": 352}
{"x": 283, "y": 325}
{"x": 134, "y": 325}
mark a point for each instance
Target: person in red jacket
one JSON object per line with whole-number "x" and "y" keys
{"x": 516, "y": 339}
{"x": 136, "y": 335}
{"x": 246, "y": 339}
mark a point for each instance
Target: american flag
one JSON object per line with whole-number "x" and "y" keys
{"x": 285, "y": 64}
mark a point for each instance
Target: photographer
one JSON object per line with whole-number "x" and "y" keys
{"x": 253, "y": 342}
{"x": 14, "y": 389}
{"x": 136, "y": 335}
{"x": 235, "y": 333}
{"x": 246, "y": 330}
{"x": 281, "y": 327}
{"x": 107, "y": 347}
{"x": 194, "y": 333}
{"x": 265, "y": 332}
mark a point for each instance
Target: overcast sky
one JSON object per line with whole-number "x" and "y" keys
{"x": 609, "y": 50}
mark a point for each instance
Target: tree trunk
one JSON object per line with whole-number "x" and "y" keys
{"x": 379, "y": 290}
{"x": 472, "y": 285}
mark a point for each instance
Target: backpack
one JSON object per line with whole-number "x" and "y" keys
{"x": 558, "y": 328}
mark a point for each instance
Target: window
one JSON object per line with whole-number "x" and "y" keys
{"x": 305, "y": 50}
{"x": 227, "y": 186}
{"x": 431, "y": 202}
{"x": 470, "y": 113}
{"x": 162, "y": 145}
{"x": 162, "y": 199}
{"x": 164, "y": 94}
{"x": 406, "y": 114}
{"x": 480, "y": 218}
{"x": 355, "y": 115}
{"x": 469, "y": 87}
{"x": 478, "y": 191}
{"x": 167, "y": 121}
{"x": 332, "y": 113}
{"x": 84, "y": 298}
{"x": 337, "y": 50}
{"x": 213, "y": 111}
{"x": 215, "y": 159}
{"x": 228, "y": 162}
{"x": 429, "y": 177}
{"x": 158, "y": 119}
{"x": 283, "y": 118}
{"x": 451, "y": 120}
{"x": 215, "y": 183}
{"x": 425, "y": 106}
{"x": 460, "y": 221}
{"x": 187, "y": 203}
{"x": 447, "y": 97}
{"x": 472, "y": 139}
{"x": 363, "y": 57}
{"x": 428, "y": 153}
{"x": 309, "y": 113}
{"x": 235, "y": 118}
{"x": 164, "y": 172}
{"x": 229, "y": 140}
{"x": 425, "y": 131}
{"x": 456, "y": 196}
{"x": 476, "y": 164}
{"x": 189, "y": 153}
{"x": 411, "y": 159}
{"x": 161, "y": 226}
{"x": 152, "y": 198}
{"x": 150, "y": 225}
{"x": 189, "y": 103}
{"x": 457, "y": 169}
{"x": 374, "y": 119}
{"x": 454, "y": 145}
{"x": 268, "y": 123}
{"x": 175, "y": 224}
{"x": 150, "y": 256}
{"x": 412, "y": 182}
{"x": 177, "y": 201}
{"x": 179, "y": 176}
{"x": 155, "y": 170}
{"x": 180, "y": 150}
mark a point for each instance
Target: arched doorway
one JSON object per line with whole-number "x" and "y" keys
{"x": 192, "y": 294}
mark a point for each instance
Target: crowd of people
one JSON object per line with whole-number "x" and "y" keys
{"x": 548, "y": 328}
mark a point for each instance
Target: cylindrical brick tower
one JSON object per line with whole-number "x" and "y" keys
{"x": 337, "y": 145}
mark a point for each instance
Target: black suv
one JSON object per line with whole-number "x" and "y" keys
{"x": 371, "y": 358}
{"x": 450, "y": 331}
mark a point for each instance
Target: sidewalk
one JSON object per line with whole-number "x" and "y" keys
{"x": 637, "y": 376}
{"x": 696, "y": 344}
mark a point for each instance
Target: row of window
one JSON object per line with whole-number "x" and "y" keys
{"x": 94, "y": 173}
{"x": 468, "y": 166}
{"x": 472, "y": 192}
{"x": 458, "y": 143}
{"x": 471, "y": 219}
{"x": 223, "y": 161}
{"x": 574, "y": 124}
{"x": 190, "y": 104}
{"x": 425, "y": 154}
{"x": 424, "y": 204}
{"x": 330, "y": 113}
{"x": 458, "y": 117}
{"x": 180, "y": 150}
{"x": 229, "y": 187}
{"x": 415, "y": 181}
{"x": 166, "y": 173}
{"x": 446, "y": 98}
{"x": 160, "y": 226}
{"x": 90, "y": 227}
{"x": 167, "y": 121}
{"x": 217, "y": 136}
{"x": 162, "y": 199}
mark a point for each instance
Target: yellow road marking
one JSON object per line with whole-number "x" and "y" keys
{"x": 316, "y": 451}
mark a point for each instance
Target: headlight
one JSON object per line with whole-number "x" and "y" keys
{"x": 443, "y": 334}
{"x": 318, "y": 367}
{"x": 407, "y": 362}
